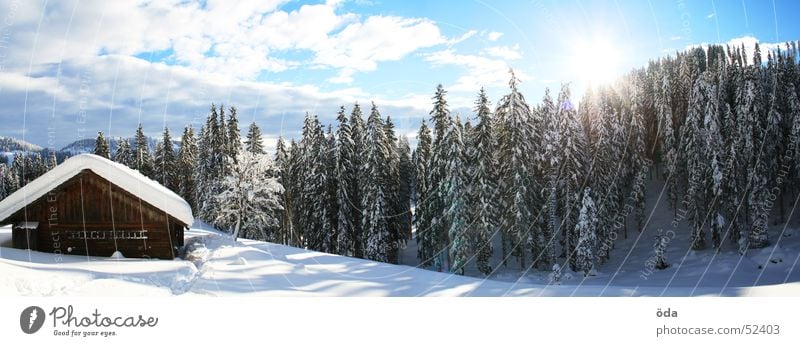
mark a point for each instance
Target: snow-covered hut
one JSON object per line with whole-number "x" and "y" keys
{"x": 90, "y": 205}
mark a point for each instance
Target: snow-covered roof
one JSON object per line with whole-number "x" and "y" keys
{"x": 118, "y": 174}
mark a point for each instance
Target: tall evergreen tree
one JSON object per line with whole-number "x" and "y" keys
{"x": 571, "y": 148}
{"x": 440, "y": 116}
{"x": 165, "y": 166}
{"x": 377, "y": 235}
{"x": 423, "y": 212}
{"x": 692, "y": 145}
{"x": 143, "y": 158}
{"x": 455, "y": 190}
{"x": 404, "y": 192}
{"x": 124, "y": 155}
{"x": 254, "y": 142}
{"x": 586, "y": 228}
{"x": 233, "y": 141}
{"x": 357, "y": 132}
{"x": 185, "y": 166}
{"x": 101, "y": 146}
{"x": 482, "y": 191}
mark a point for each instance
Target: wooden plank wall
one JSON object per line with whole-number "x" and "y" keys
{"x": 87, "y": 202}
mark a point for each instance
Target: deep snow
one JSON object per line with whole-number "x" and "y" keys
{"x": 215, "y": 267}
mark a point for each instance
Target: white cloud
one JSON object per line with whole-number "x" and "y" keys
{"x": 361, "y": 45}
{"x": 467, "y": 35}
{"x": 505, "y": 52}
{"x": 711, "y": 15}
{"x": 480, "y": 71}
{"x": 493, "y": 36}
{"x": 116, "y": 92}
{"x": 238, "y": 38}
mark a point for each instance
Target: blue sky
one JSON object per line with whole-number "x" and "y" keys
{"x": 71, "y": 68}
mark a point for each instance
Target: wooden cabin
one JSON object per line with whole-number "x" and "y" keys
{"x": 92, "y": 206}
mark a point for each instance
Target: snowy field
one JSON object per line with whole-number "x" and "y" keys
{"x": 217, "y": 267}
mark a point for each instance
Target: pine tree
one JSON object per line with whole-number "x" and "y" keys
{"x": 603, "y": 173}
{"x": 165, "y": 167}
{"x": 519, "y": 195}
{"x": 329, "y": 197}
{"x": 423, "y": 213}
{"x": 101, "y": 146}
{"x": 550, "y": 169}
{"x": 357, "y": 129}
{"x": 233, "y": 141}
{"x": 185, "y": 166}
{"x": 637, "y": 167}
{"x": 377, "y": 235}
{"x": 586, "y": 228}
{"x": 404, "y": 193}
{"x": 282, "y": 172}
{"x": 209, "y": 170}
{"x": 346, "y": 175}
{"x": 254, "y": 142}
{"x": 482, "y": 192}
{"x": 571, "y": 149}
{"x": 668, "y": 140}
{"x": 143, "y": 158}
{"x": 124, "y": 155}
{"x": 392, "y": 191}
{"x": 692, "y": 145}
{"x": 440, "y": 116}
{"x": 715, "y": 157}
{"x": 455, "y": 190}
{"x": 313, "y": 189}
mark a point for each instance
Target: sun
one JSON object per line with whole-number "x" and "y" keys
{"x": 596, "y": 61}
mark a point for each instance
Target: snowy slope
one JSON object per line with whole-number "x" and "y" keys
{"x": 215, "y": 267}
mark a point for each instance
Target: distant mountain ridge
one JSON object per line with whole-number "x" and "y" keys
{"x": 10, "y": 144}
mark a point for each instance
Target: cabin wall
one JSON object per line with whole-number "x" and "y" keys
{"x": 88, "y": 215}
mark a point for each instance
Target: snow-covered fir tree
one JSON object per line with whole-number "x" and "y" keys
{"x": 571, "y": 150}
{"x": 165, "y": 162}
{"x": 124, "y": 155}
{"x": 254, "y": 142}
{"x": 455, "y": 195}
{"x": 482, "y": 191}
{"x": 377, "y": 234}
{"x": 715, "y": 172}
{"x": 692, "y": 147}
{"x": 392, "y": 191}
{"x": 185, "y": 166}
{"x": 281, "y": 173}
{"x": 346, "y": 176}
{"x": 586, "y": 228}
{"x": 142, "y": 156}
{"x": 520, "y": 197}
{"x": 406, "y": 179}
{"x": 357, "y": 129}
{"x": 440, "y": 116}
{"x": 423, "y": 214}
{"x": 101, "y": 146}
{"x": 233, "y": 141}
